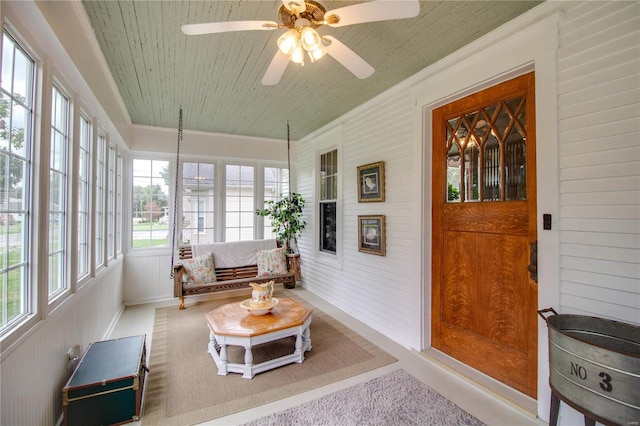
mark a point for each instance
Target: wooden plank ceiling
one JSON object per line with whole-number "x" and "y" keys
{"x": 216, "y": 78}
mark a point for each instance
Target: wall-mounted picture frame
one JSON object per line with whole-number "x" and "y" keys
{"x": 371, "y": 234}
{"x": 371, "y": 182}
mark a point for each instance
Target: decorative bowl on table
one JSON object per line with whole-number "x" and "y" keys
{"x": 261, "y": 308}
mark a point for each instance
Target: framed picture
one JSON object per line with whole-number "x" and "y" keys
{"x": 371, "y": 235}
{"x": 371, "y": 182}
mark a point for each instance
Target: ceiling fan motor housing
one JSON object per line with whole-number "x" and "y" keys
{"x": 314, "y": 13}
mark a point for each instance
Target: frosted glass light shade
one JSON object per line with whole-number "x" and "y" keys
{"x": 317, "y": 53}
{"x": 288, "y": 41}
{"x": 309, "y": 38}
{"x": 297, "y": 55}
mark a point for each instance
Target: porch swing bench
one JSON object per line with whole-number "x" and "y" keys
{"x": 236, "y": 265}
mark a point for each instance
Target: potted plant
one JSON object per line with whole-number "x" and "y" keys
{"x": 286, "y": 219}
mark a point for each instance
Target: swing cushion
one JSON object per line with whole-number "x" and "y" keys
{"x": 272, "y": 262}
{"x": 200, "y": 269}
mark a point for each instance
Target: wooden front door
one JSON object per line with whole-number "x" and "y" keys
{"x": 484, "y": 298}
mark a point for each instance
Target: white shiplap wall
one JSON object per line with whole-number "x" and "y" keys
{"x": 377, "y": 290}
{"x": 599, "y": 135}
{"x": 592, "y": 60}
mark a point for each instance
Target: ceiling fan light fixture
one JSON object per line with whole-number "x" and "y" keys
{"x": 317, "y": 53}
{"x": 310, "y": 39}
{"x": 288, "y": 42}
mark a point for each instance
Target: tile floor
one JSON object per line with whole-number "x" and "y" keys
{"x": 471, "y": 397}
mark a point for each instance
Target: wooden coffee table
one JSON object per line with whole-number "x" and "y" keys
{"x": 232, "y": 325}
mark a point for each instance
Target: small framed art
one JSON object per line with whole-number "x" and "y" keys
{"x": 371, "y": 235}
{"x": 371, "y": 182}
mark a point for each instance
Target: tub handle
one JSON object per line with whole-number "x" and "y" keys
{"x": 541, "y": 312}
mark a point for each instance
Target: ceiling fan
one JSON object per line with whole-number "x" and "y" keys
{"x": 301, "y": 18}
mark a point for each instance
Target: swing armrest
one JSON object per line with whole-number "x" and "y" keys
{"x": 178, "y": 271}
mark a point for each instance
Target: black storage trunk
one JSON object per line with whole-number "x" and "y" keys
{"x": 107, "y": 386}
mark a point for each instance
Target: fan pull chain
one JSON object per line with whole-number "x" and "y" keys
{"x": 175, "y": 192}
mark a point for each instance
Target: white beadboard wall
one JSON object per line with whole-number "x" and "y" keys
{"x": 596, "y": 212}
{"x": 146, "y": 276}
{"x": 377, "y": 290}
{"x": 34, "y": 373}
{"x": 599, "y": 151}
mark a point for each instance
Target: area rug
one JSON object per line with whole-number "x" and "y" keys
{"x": 395, "y": 399}
{"x": 183, "y": 386}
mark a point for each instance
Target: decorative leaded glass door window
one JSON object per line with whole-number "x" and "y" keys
{"x": 486, "y": 153}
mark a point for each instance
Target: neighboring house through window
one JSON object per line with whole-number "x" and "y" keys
{"x": 198, "y": 203}
{"x": 276, "y": 186}
{"x": 239, "y": 202}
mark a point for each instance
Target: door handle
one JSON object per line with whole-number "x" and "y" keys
{"x": 533, "y": 261}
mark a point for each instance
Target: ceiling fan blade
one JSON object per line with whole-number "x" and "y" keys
{"x": 381, "y": 10}
{"x": 276, "y": 69}
{"x": 223, "y": 27}
{"x": 348, "y": 58}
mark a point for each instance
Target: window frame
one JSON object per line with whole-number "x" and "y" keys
{"x": 65, "y": 209}
{"x": 31, "y": 306}
{"x": 171, "y": 173}
{"x": 84, "y": 177}
{"x": 329, "y": 141}
{"x": 99, "y": 192}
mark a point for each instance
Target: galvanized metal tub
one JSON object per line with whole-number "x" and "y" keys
{"x": 594, "y": 366}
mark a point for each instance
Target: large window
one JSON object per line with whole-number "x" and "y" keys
{"x": 111, "y": 202}
{"x": 119, "y": 204}
{"x": 328, "y": 201}
{"x": 84, "y": 186}
{"x": 101, "y": 146}
{"x": 198, "y": 203}
{"x": 58, "y": 176}
{"x": 49, "y": 240}
{"x": 150, "y": 203}
{"x": 16, "y": 141}
{"x": 240, "y": 207}
{"x": 276, "y": 187}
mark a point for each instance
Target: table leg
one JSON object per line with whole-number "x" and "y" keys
{"x": 248, "y": 363}
{"x": 306, "y": 338}
{"x": 224, "y": 358}
{"x": 298, "y": 350}
{"x": 213, "y": 343}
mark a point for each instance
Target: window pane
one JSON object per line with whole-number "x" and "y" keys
{"x": 111, "y": 200}
{"x": 276, "y": 186}
{"x": 328, "y": 191}
{"x": 328, "y": 227}
{"x": 198, "y": 203}
{"x": 119, "y": 204}
{"x": 84, "y": 179}
{"x": 99, "y": 194}
{"x": 150, "y": 203}
{"x": 58, "y": 192}
{"x": 493, "y": 142}
{"x": 329, "y": 176}
{"x": 240, "y": 205}
{"x": 492, "y": 170}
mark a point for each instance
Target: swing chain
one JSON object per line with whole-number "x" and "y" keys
{"x": 175, "y": 193}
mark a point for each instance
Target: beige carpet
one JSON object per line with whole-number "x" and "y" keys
{"x": 183, "y": 386}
